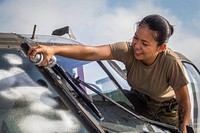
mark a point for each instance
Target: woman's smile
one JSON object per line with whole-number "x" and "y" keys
{"x": 137, "y": 52}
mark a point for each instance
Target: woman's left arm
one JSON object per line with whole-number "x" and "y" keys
{"x": 184, "y": 107}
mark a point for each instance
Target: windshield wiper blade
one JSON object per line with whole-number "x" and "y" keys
{"x": 61, "y": 72}
{"x": 162, "y": 125}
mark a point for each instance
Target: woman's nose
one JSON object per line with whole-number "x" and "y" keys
{"x": 136, "y": 43}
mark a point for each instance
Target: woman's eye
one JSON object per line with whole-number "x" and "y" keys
{"x": 145, "y": 44}
{"x": 135, "y": 37}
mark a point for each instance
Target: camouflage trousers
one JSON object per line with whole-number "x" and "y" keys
{"x": 166, "y": 112}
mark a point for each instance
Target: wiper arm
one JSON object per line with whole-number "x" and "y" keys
{"x": 61, "y": 72}
{"x": 159, "y": 124}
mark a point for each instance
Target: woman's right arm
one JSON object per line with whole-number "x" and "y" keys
{"x": 80, "y": 52}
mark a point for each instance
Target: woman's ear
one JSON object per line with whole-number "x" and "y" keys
{"x": 162, "y": 48}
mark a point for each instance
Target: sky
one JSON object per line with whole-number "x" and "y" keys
{"x": 97, "y": 22}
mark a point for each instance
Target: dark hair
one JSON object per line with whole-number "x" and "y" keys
{"x": 163, "y": 29}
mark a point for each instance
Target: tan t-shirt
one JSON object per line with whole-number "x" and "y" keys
{"x": 157, "y": 80}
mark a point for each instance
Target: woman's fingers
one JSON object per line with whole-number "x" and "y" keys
{"x": 33, "y": 51}
{"x": 40, "y": 49}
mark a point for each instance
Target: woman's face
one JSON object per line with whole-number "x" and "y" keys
{"x": 145, "y": 46}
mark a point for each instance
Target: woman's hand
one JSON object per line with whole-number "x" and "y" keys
{"x": 47, "y": 51}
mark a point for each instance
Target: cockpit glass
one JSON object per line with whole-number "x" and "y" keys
{"x": 28, "y": 104}
{"x": 194, "y": 90}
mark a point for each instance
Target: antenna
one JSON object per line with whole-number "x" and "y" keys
{"x": 33, "y": 35}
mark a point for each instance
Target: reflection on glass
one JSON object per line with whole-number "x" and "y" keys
{"x": 194, "y": 90}
{"x": 27, "y": 103}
